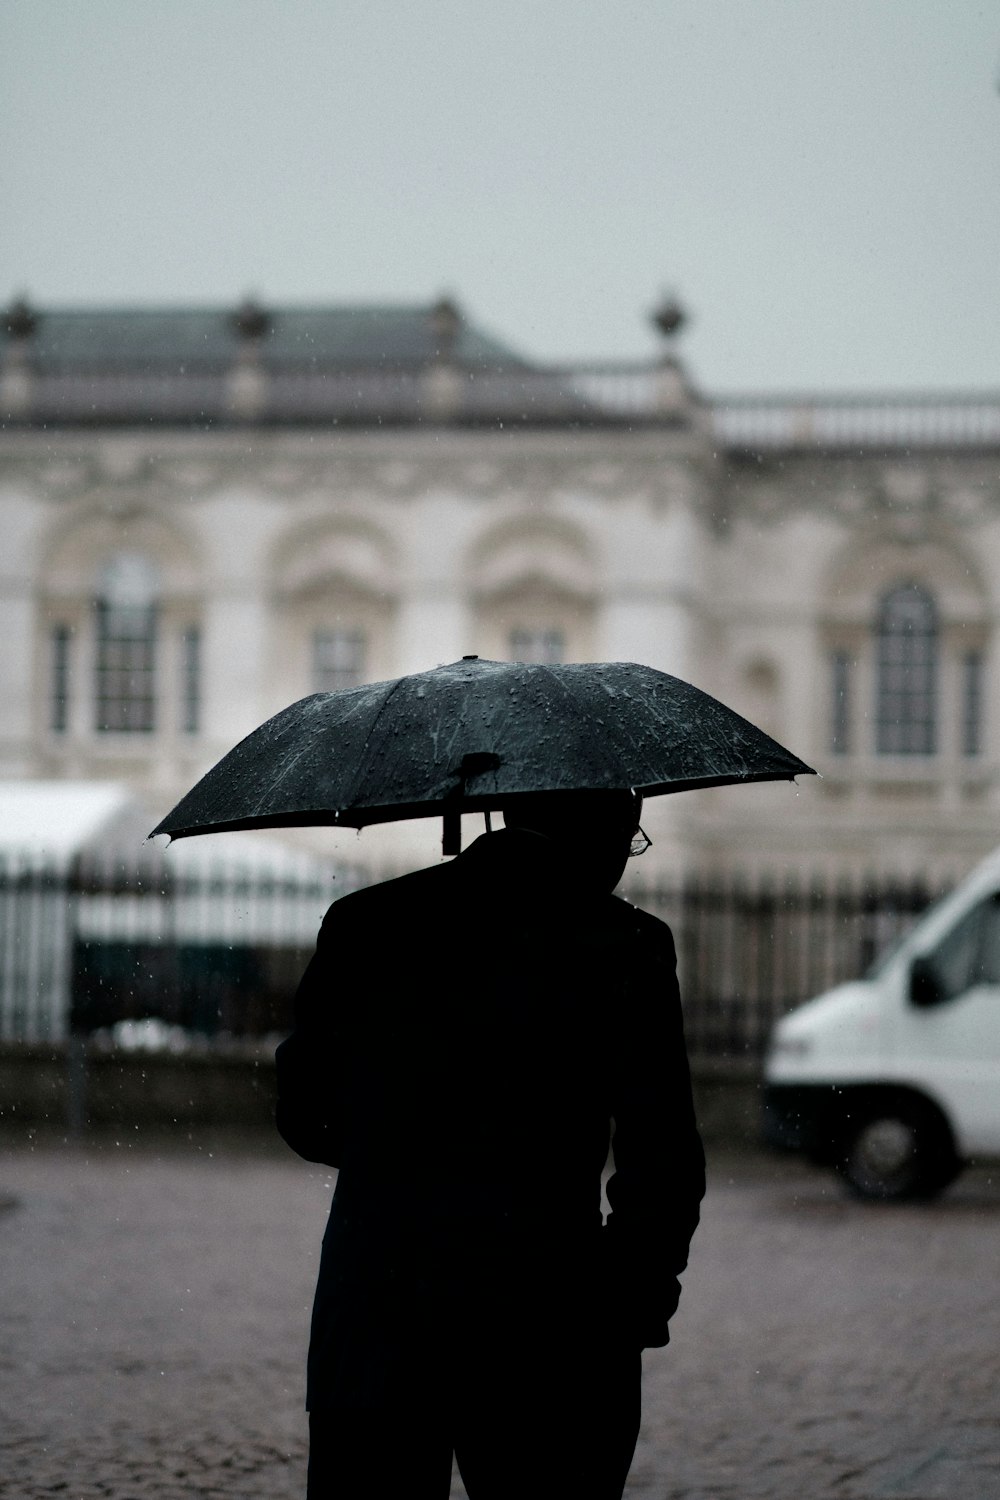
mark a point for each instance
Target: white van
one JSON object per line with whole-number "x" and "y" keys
{"x": 894, "y": 1079}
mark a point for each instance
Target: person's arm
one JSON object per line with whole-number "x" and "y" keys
{"x": 659, "y": 1177}
{"x": 310, "y": 1103}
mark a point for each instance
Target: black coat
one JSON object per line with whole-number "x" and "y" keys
{"x": 464, "y": 1038}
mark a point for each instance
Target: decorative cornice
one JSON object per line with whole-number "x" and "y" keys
{"x": 900, "y": 496}
{"x": 528, "y": 470}
{"x": 905, "y": 495}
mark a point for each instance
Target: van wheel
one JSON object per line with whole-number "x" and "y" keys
{"x": 898, "y": 1149}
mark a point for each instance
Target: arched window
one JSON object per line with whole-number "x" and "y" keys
{"x": 335, "y": 600}
{"x": 125, "y": 645}
{"x": 534, "y": 590}
{"x": 906, "y": 672}
{"x": 119, "y": 652}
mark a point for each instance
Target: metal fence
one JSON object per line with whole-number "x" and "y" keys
{"x": 749, "y": 950}
{"x": 215, "y": 952}
{"x": 218, "y": 953}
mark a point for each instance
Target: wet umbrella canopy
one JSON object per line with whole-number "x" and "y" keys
{"x": 468, "y": 736}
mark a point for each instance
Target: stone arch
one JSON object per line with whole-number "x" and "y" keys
{"x": 76, "y": 551}
{"x": 868, "y": 567}
{"x": 533, "y": 585}
{"x": 528, "y": 552}
{"x": 347, "y": 552}
{"x": 335, "y": 592}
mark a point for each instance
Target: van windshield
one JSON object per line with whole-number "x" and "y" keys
{"x": 888, "y": 954}
{"x": 886, "y": 957}
{"x": 897, "y": 939}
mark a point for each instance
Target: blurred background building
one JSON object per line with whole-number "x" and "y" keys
{"x": 209, "y": 513}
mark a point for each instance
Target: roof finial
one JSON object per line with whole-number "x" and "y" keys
{"x": 20, "y": 319}
{"x": 668, "y": 316}
{"x": 251, "y": 320}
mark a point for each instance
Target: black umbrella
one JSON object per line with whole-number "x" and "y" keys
{"x": 468, "y": 736}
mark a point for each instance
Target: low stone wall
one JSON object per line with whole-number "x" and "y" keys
{"x": 728, "y": 1101}
{"x": 75, "y": 1088}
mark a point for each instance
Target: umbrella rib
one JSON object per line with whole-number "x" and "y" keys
{"x": 582, "y": 717}
{"x": 289, "y": 768}
{"x": 394, "y": 685}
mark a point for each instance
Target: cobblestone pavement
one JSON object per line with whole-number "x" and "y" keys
{"x": 154, "y": 1303}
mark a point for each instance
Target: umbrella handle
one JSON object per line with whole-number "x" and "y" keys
{"x": 451, "y": 832}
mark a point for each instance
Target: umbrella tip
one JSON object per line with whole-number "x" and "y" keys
{"x": 470, "y": 658}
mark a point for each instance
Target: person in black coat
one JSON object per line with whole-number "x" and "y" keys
{"x": 466, "y": 1038}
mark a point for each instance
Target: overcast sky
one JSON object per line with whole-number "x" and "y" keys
{"x": 820, "y": 183}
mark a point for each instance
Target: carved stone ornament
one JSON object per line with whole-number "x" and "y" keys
{"x": 199, "y": 470}
{"x": 957, "y": 490}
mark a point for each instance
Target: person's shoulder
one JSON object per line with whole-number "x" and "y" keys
{"x": 627, "y": 917}
{"x": 383, "y": 895}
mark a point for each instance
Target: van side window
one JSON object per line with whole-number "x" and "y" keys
{"x": 970, "y": 954}
{"x": 990, "y": 952}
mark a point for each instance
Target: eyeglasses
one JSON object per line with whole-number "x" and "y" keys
{"x": 640, "y": 843}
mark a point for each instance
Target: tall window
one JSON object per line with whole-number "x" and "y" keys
{"x": 60, "y": 640}
{"x": 906, "y": 668}
{"x": 125, "y": 655}
{"x": 338, "y": 659}
{"x": 191, "y": 679}
{"x": 840, "y": 703}
{"x": 544, "y": 647}
{"x": 972, "y": 703}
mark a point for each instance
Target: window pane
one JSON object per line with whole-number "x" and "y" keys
{"x": 840, "y": 706}
{"x": 191, "y": 680}
{"x": 972, "y": 703}
{"x": 130, "y": 580}
{"x": 955, "y": 961}
{"x": 60, "y": 657}
{"x": 59, "y": 680}
{"x": 970, "y": 954}
{"x": 545, "y": 647}
{"x": 338, "y": 659}
{"x": 125, "y": 668}
{"x": 906, "y": 692}
{"x": 989, "y": 969}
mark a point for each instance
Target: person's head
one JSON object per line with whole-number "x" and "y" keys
{"x": 594, "y": 830}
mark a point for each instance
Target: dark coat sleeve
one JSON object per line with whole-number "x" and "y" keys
{"x": 310, "y": 1104}
{"x": 659, "y": 1177}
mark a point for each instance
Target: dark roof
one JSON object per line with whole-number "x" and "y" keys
{"x": 207, "y": 339}
{"x": 365, "y": 366}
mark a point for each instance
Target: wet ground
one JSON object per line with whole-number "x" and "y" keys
{"x": 154, "y": 1303}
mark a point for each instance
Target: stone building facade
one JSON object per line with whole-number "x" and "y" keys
{"x": 208, "y": 514}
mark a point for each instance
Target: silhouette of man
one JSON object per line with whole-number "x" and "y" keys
{"x": 464, "y": 1038}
